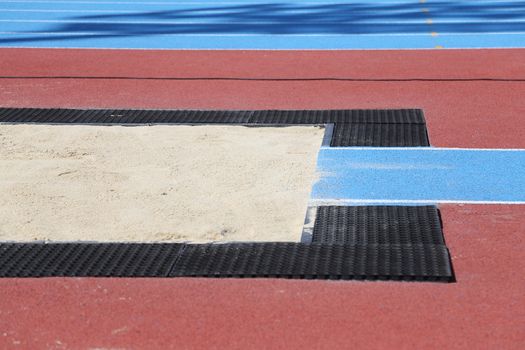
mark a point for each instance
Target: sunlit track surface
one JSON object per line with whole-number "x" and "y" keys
{"x": 267, "y": 24}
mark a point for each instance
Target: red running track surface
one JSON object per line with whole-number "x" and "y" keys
{"x": 469, "y": 112}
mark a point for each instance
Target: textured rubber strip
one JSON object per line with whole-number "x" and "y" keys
{"x": 379, "y": 128}
{"x": 379, "y": 135}
{"x": 88, "y": 259}
{"x": 125, "y": 116}
{"x": 377, "y": 225}
{"x": 423, "y": 262}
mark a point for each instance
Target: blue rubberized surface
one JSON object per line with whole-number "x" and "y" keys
{"x": 419, "y": 175}
{"x": 270, "y": 24}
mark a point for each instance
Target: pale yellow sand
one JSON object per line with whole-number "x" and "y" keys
{"x": 155, "y": 183}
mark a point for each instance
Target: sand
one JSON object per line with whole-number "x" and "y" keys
{"x": 155, "y": 183}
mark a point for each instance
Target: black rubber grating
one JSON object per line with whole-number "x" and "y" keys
{"x": 379, "y": 135}
{"x": 392, "y": 116}
{"x": 121, "y": 116}
{"x": 424, "y": 262}
{"x": 378, "y": 225}
{"x": 88, "y": 259}
{"x": 126, "y": 116}
{"x": 400, "y": 127}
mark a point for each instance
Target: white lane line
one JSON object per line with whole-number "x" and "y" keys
{"x": 429, "y": 149}
{"x": 342, "y": 202}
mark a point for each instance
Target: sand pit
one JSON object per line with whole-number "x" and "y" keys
{"x": 155, "y": 183}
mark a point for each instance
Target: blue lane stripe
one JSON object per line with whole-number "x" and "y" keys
{"x": 478, "y": 9}
{"x": 261, "y": 42}
{"x": 159, "y": 28}
{"x": 368, "y": 2}
{"x": 258, "y": 28}
{"x": 32, "y": 21}
{"x": 419, "y": 175}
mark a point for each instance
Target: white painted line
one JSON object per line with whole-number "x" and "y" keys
{"x": 428, "y": 149}
{"x": 346, "y": 202}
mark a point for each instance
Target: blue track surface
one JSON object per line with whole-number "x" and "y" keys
{"x": 269, "y": 24}
{"x": 419, "y": 175}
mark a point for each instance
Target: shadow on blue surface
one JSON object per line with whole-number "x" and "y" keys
{"x": 286, "y": 18}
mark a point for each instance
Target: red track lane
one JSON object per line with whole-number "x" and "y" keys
{"x": 485, "y": 309}
{"x": 459, "y": 113}
{"x": 389, "y": 64}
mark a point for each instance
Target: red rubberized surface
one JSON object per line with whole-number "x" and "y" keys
{"x": 484, "y": 309}
{"x": 476, "y": 113}
{"x": 378, "y": 64}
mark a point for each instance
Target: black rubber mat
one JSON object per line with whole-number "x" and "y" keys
{"x": 379, "y": 135}
{"x": 334, "y": 261}
{"x": 379, "y": 128}
{"x": 421, "y": 262}
{"x": 377, "y": 225}
{"x": 289, "y": 260}
{"x": 124, "y": 116}
{"x": 88, "y": 259}
{"x": 371, "y": 116}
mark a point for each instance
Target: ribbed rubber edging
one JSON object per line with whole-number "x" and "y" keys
{"x": 377, "y": 225}
{"x": 378, "y": 128}
{"x": 88, "y": 259}
{"x": 316, "y": 261}
{"x": 131, "y": 116}
{"x": 287, "y": 260}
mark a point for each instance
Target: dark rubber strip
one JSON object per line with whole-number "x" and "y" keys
{"x": 379, "y": 135}
{"x": 88, "y": 259}
{"x": 378, "y": 128}
{"x": 125, "y": 116}
{"x": 378, "y": 225}
{"x": 425, "y": 262}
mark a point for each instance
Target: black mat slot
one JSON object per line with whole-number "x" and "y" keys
{"x": 379, "y": 135}
{"x": 378, "y": 128}
{"x": 334, "y": 261}
{"x": 125, "y": 116}
{"x": 286, "y": 260}
{"x": 377, "y": 225}
{"x": 88, "y": 259}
